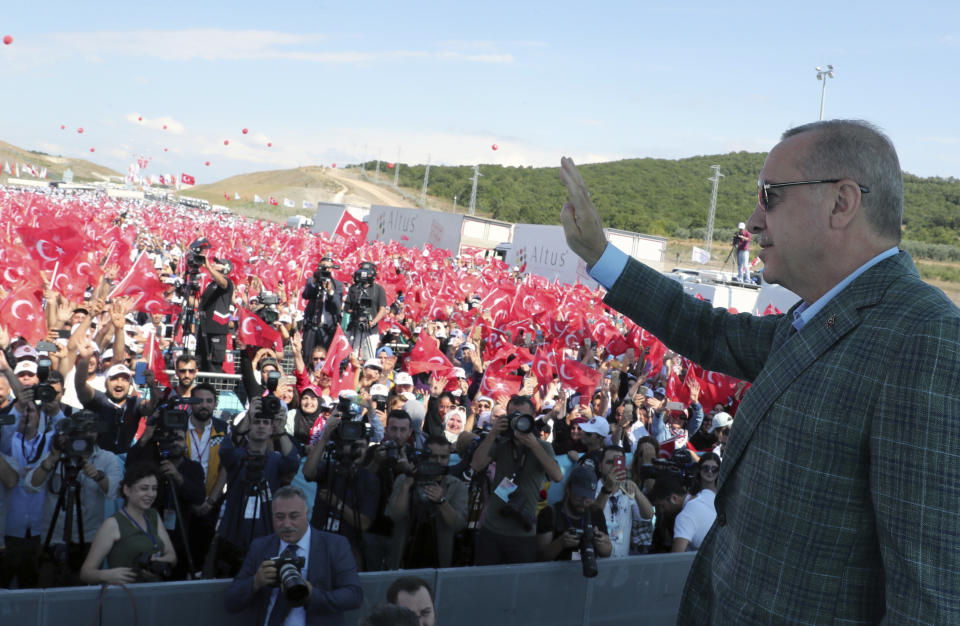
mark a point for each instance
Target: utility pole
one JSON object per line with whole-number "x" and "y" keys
{"x": 824, "y": 74}
{"x": 426, "y": 181}
{"x": 473, "y": 193}
{"x": 454, "y": 204}
{"x": 396, "y": 170}
{"x": 708, "y": 237}
{"x": 377, "y": 175}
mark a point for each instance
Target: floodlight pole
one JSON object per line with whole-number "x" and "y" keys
{"x": 708, "y": 237}
{"x": 426, "y": 180}
{"x": 454, "y": 204}
{"x": 473, "y": 192}
{"x": 396, "y": 171}
{"x": 824, "y": 74}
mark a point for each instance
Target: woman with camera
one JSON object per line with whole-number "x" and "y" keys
{"x": 133, "y": 540}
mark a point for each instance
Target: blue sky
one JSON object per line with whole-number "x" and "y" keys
{"x": 339, "y": 82}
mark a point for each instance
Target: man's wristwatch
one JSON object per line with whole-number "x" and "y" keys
{"x": 441, "y": 500}
{"x": 100, "y": 476}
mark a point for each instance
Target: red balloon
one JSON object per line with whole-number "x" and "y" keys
{"x": 269, "y": 145}
{"x": 62, "y": 126}
{"x": 334, "y": 166}
{"x": 494, "y": 146}
{"x": 390, "y": 166}
{"x": 164, "y": 149}
{"x": 80, "y": 130}
{"x": 207, "y": 163}
{"x": 139, "y": 119}
{"x": 7, "y": 40}
{"x": 245, "y": 131}
{"x": 226, "y": 142}
{"x": 164, "y": 127}
{"x": 92, "y": 150}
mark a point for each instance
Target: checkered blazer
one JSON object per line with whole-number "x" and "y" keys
{"x": 840, "y": 485}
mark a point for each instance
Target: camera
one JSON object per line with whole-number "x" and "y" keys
{"x": 290, "y": 579}
{"x": 348, "y": 409}
{"x": 322, "y": 273}
{"x": 72, "y": 436}
{"x": 268, "y": 307}
{"x": 195, "y": 256}
{"x": 148, "y": 570}
{"x": 522, "y": 423}
{"x": 427, "y": 473}
{"x": 272, "y": 405}
{"x": 172, "y": 415}
{"x": 588, "y": 552}
{"x": 43, "y": 391}
{"x": 365, "y": 274}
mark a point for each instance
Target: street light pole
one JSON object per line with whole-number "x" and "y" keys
{"x": 824, "y": 74}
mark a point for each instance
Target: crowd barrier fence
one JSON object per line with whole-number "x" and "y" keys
{"x": 632, "y": 590}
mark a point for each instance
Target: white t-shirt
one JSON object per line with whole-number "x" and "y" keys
{"x": 695, "y": 519}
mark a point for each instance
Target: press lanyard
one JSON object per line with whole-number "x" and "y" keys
{"x": 199, "y": 450}
{"x": 145, "y": 531}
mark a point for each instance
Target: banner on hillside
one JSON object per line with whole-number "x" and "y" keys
{"x": 542, "y": 250}
{"x": 415, "y": 227}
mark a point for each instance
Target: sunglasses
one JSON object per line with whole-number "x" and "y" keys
{"x": 763, "y": 187}
{"x": 710, "y": 469}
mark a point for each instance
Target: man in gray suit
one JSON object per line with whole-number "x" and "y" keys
{"x": 329, "y": 570}
{"x": 838, "y": 497}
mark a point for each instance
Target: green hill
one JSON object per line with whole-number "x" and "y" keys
{"x": 669, "y": 198}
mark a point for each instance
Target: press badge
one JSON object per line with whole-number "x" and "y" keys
{"x": 252, "y": 511}
{"x": 505, "y": 488}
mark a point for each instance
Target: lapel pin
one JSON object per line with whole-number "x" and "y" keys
{"x": 831, "y": 321}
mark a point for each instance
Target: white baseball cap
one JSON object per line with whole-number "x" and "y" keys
{"x": 25, "y": 366}
{"x": 596, "y": 425}
{"x": 721, "y": 420}
{"x": 119, "y": 370}
{"x": 741, "y": 225}
{"x": 403, "y": 378}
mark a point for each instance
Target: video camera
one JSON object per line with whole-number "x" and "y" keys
{"x": 680, "y": 465}
{"x": 73, "y": 436}
{"x": 148, "y": 570}
{"x": 322, "y": 273}
{"x": 427, "y": 472}
{"x": 171, "y": 415}
{"x": 43, "y": 391}
{"x": 195, "y": 254}
{"x": 268, "y": 307}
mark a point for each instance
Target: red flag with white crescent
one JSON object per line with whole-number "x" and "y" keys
{"x": 21, "y": 312}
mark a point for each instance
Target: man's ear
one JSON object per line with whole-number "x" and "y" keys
{"x": 846, "y": 197}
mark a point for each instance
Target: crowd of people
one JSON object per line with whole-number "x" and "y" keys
{"x": 423, "y": 401}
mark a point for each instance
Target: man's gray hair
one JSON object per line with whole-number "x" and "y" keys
{"x": 858, "y": 150}
{"x": 290, "y": 492}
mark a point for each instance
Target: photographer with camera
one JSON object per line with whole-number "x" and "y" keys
{"x": 297, "y": 575}
{"x": 347, "y": 492}
{"x": 573, "y": 529}
{"x": 741, "y": 247}
{"x": 253, "y": 475}
{"x": 133, "y": 540}
{"x": 163, "y": 444}
{"x": 214, "y": 309}
{"x": 324, "y": 297}
{"x": 77, "y": 466}
{"x": 507, "y": 531}
{"x": 428, "y": 507}
{"x": 31, "y": 441}
{"x": 367, "y": 305}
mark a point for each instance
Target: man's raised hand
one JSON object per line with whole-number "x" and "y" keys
{"x": 580, "y": 219}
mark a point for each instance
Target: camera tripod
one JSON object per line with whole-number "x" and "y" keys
{"x": 174, "y": 497}
{"x": 334, "y": 523}
{"x": 69, "y": 502}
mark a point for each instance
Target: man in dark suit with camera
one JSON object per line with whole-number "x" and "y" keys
{"x": 324, "y": 297}
{"x": 298, "y": 575}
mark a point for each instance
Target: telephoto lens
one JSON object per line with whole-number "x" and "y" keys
{"x": 588, "y": 553}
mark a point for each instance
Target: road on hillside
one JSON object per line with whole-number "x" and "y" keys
{"x": 363, "y": 192}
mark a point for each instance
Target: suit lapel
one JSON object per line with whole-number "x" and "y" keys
{"x": 799, "y": 350}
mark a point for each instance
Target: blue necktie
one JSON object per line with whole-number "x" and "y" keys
{"x": 281, "y": 607}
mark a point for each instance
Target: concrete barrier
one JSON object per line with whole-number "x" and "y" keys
{"x": 633, "y": 590}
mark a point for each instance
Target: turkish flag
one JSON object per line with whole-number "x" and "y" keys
{"x": 772, "y": 310}
{"x": 142, "y": 280}
{"x": 155, "y": 361}
{"x": 187, "y": 179}
{"x": 338, "y": 351}
{"x": 426, "y": 357}
{"x": 349, "y": 227}
{"x": 229, "y": 367}
{"x": 496, "y": 383}
{"x": 273, "y": 201}
{"x": 22, "y": 314}
{"x": 543, "y": 366}
{"x": 51, "y": 246}
{"x": 253, "y": 331}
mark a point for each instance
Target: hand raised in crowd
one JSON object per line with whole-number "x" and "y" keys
{"x": 694, "y": 385}
{"x": 87, "y": 348}
{"x": 438, "y": 384}
{"x": 579, "y": 216}
{"x": 296, "y": 342}
{"x": 4, "y": 338}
